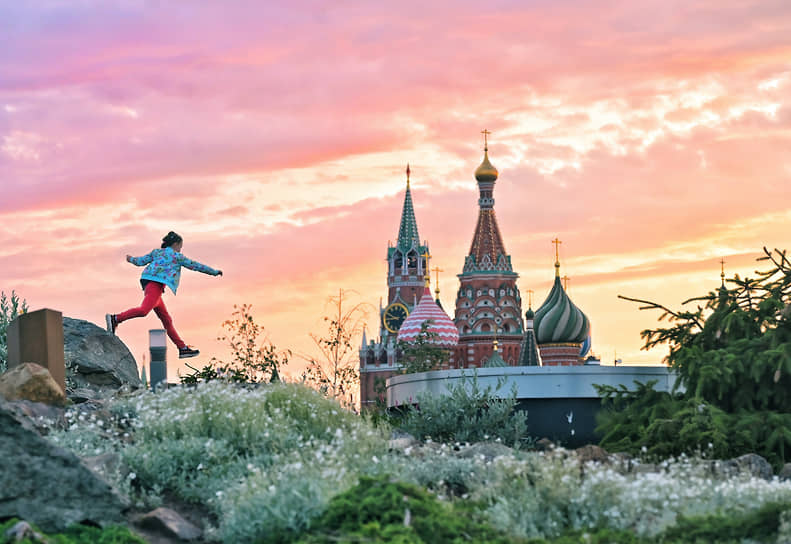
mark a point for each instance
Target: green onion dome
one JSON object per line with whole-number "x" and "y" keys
{"x": 496, "y": 360}
{"x": 558, "y": 320}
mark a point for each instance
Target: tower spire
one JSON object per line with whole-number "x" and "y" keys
{"x": 487, "y": 251}
{"x": 408, "y": 236}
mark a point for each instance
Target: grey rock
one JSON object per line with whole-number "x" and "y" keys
{"x": 23, "y": 531}
{"x": 95, "y": 358}
{"x": 170, "y": 523}
{"x": 785, "y": 472}
{"x": 403, "y": 442}
{"x": 592, "y": 452}
{"x": 489, "y": 450}
{"x": 48, "y": 485}
{"x": 41, "y": 416}
{"x": 750, "y": 463}
{"x": 645, "y": 468}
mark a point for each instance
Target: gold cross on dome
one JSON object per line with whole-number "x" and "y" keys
{"x": 529, "y": 298}
{"x": 437, "y": 270}
{"x": 485, "y": 138}
{"x": 557, "y": 248}
{"x": 565, "y": 283}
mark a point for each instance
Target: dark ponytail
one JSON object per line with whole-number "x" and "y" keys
{"x": 170, "y": 239}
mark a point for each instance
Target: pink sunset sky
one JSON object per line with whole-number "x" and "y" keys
{"x": 653, "y": 138}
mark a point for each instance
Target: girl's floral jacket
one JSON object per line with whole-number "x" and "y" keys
{"x": 164, "y": 266}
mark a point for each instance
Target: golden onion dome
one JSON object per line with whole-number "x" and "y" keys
{"x": 486, "y": 172}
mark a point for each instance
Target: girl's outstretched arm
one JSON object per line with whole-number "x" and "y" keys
{"x": 140, "y": 261}
{"x": 198, "y": 267}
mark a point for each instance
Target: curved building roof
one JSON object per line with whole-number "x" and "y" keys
{"x": 439, "y": 323}
{"x": 558, "y": 320}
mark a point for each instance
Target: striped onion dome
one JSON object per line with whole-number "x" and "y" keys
{"x": 441, "y": 324}
{"x": 558, "y": 320}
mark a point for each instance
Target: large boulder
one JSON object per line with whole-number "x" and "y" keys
{"x": 95, "y": 358}
{"x": 48, "y": 485}
{"x": 33, "y": 382}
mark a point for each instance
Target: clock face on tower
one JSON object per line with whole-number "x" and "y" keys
{"x": 393, "y": 316}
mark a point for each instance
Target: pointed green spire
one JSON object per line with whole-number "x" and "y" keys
{"x": 408, "y": 236}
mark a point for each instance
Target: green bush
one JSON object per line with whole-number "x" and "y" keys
{"x": 467, "y": 413}
{"x": 732, "y": 354}
{"x": 381, "y": 510}
{"x": 761, "y": 525}
{"x": 264, "y": 460}
{"x": 79, "y": 534}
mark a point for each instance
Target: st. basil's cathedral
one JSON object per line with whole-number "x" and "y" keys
{"x": 488, "y": 328}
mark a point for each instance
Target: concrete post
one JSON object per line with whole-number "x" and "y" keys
{"x": 37, "y": 337}
{"x": 157, "y": 346}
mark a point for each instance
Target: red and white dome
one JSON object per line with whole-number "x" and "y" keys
{"x": 441, "y": 324}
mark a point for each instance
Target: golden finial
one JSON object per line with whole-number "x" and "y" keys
{"x": 486, "y": 171}
{"x": 437, "y": 270}
{"x": 407, "y": 175}
{"x": 427, "y": 277}
{"x": 722, "y": 271}
{"x": 557, "y": 256}
{"x": 529, "y": 298}
{"x": 495, "y": 343}
{"x": 565, "y": 282}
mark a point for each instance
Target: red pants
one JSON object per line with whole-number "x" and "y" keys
{"x": 153, "y": 301}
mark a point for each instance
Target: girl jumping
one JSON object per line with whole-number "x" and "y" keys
{"x": 164, "y": 268}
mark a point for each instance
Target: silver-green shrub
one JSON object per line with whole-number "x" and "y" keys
{"x": 543, "y": 495}
{"x": 266, "y": 461}
{"x": 467, "y": 413}
{"x": 10, "y": 309}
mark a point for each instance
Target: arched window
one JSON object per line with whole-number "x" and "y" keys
{"x": 398, "y": 260}
{"x": 506, "y": 328}
{"x": 411, "y": 261}
{"x": 485, "y": 327}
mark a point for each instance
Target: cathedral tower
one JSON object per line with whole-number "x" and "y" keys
{"x": 407, "y": 265}
{"x": 488, "y": 305}
{"x": 406, "y": 268}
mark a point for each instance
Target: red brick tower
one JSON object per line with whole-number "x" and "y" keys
{"x": 407, "y": 267}
{"x": 488, "y": 305}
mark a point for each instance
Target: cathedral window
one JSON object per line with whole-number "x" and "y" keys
{"x": 398, "y": 261}
{"x": 485, "y": 327}
{"x": 506, "y": 328}
{"x": 411, "y": 261}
